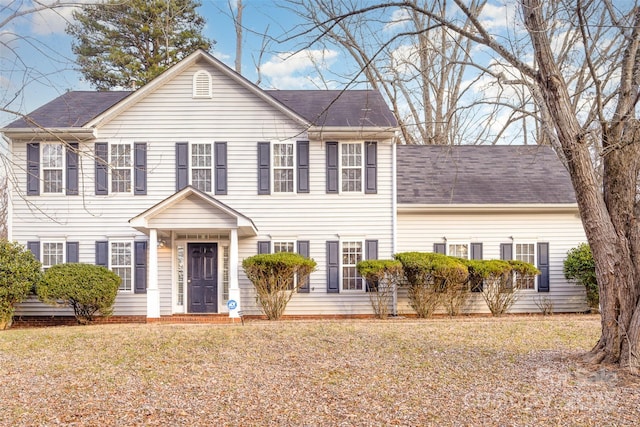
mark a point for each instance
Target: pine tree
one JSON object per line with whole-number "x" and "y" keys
{"x": 125, "y": 44}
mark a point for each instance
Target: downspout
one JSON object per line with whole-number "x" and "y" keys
{"x": 394, "y": 219}
{"x": 6, "y": 154}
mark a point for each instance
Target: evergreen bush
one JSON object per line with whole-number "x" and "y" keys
{"x": 274, "y": 277}
{"x": 88, "y": 289}
{"x": 20, "y": 271}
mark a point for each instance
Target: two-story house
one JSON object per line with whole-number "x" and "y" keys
{"x": 173, "y": 185}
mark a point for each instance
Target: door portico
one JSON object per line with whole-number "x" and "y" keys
{"x": 190, "y": 212}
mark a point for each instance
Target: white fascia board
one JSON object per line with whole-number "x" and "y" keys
{"x": 406, "y": 208}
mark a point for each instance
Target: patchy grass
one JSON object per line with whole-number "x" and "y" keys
{"x": 466, "y": 371}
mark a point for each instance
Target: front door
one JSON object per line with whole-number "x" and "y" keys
{"x": 202, "y": 277}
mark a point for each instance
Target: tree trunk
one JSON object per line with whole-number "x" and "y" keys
{"x": 609, "y": 208}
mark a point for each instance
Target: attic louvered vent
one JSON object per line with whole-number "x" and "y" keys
{"x": 202, "y": 84}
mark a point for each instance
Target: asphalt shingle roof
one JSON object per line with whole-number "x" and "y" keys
{"x": 319, "y": 107}
{"x": 338, "y": 108}
{"x": 477, "y": 174}
{"x": 72, "y": 109}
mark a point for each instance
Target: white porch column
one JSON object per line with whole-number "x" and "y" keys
{"x": 153, "y": 293}
{"x": 234, "y": 289}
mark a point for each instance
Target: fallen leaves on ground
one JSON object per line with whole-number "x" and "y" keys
{"x": 517, "y": 370}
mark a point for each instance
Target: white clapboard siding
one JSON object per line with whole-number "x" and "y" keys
{"x": 234, "y": 115}
{"x": 563, "y": 231}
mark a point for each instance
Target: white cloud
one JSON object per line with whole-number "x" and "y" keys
{"x": 298, "y": 70}
{"x": 498, "y": 16}
{"x": 51, "y": 21}
{"x": 399, "y": 19}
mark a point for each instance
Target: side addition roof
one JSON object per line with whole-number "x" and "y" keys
{"x": 482, "y": 175}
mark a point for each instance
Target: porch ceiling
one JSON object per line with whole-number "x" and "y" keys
{"x": 191, "y": 210}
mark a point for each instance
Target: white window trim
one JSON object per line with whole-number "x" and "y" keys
{"x": 362, "y": 258}
{"x": 131, "y": 266}
{"x": 195, "y": 93}
{"x": 535, "y": 262}
{"x": 49, "y": 241}
{"x": 454, "y": 243}
{"x": 62, "y": 168}
{"x": 272, "y": 172}
{"x": 211, "y": 167}
{"x": 111, "y": 167}
{"x": 362, "y": 165}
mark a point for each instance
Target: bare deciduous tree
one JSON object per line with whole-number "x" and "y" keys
{"x": 580, "y": 64}
{"x": 426, "y": 70}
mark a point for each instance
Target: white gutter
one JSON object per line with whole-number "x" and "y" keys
{"x": 76, "y": 133}
{"x": 410, "y": 208}
{"x": 346, "y": 132}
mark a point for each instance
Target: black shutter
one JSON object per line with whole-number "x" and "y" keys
{"x": 33, "y": 169}
{"x": 371, "y": 167}
{"x": 140, "y": 168}
{"x": 506, "y": 251}
{"x": 102, "y": 253}
{"x": 371, "y": 252}
{"x": 543, "y": 266}
{"x": 332, "y": 167}
{"x": 73, "y": 252}
{"x": 182, "y": 165}
{"x": 440, "y": 248}
{"x": 140, "y": 274}
{"x": 303, "y": 249}
{"x": 264, "y": 168}
{"x": 221, "y": 167}
{"x": 476, "y": 253}
{"x": 102, "y": 171}
{"x": 264, "y": 247}
{"x": 72, "y": 169}
{"x": 34, "y": 247}
{"x": 333, "y": 267}
{"x": 302, "y": 152}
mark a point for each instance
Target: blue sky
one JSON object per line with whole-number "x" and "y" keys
{"x": 37, "y": 65}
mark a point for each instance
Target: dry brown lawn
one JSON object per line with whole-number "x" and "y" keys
{"x": 463, "y": 371}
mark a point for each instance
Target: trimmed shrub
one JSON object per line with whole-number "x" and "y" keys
{"x": 274, "y": 277}
{"x": 383, "y": 277}
{"x": 88, "y": 289}
{"x": 496, "y": 279}
{"x": 19, "y": 273}
{"x": 434, "y": 279}
{"x": 580, "y": 267}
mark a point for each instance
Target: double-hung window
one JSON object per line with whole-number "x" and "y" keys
{"x": 285, "y": 246}
{"x": 121, "y": 263}
{"x": 351, "y": 256}
{"x": 351, "y": 167}
{"x": 52, "y": 168}
{"x": 459, "y": 250}
{"x": 121, "y": 165}
{"x": 52, "y": 254}
{"x": 283, "y": 167}
{"x": 525, "y": 252}
{"x": 201, "y": 166}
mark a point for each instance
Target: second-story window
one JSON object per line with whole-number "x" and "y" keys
{"x": 201, "y": 162}
{"x": 351, "y": 162}
{"x": 121, "y": 165}
{"x": 283, "y": 167}
{"x": 52, "y": 168}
